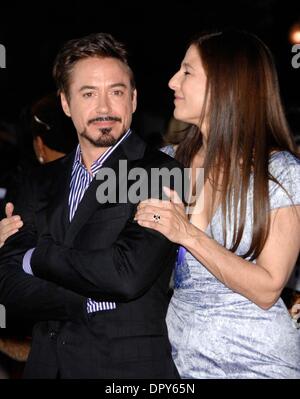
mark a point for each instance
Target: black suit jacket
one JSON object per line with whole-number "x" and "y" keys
{"x": 102, "y": 254}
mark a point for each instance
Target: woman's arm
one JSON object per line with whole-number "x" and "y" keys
{"x": 261, "y": 283}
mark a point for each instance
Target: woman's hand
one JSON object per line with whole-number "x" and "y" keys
{"x": 9, "y": 225}
{"x": 167, "y": 217}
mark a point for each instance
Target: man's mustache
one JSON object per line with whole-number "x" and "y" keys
{"x": 104, "y": 119}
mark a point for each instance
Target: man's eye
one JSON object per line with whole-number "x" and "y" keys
{"x": 88, "y": 94}
{"x": 117, "y": 93}
{"x": 186, "y": 73}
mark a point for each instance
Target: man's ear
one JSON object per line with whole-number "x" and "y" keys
{"x": 134, "y": 100}
{"x": 65, "y": 104}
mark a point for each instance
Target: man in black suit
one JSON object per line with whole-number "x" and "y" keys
{"x": 95, "y": 282}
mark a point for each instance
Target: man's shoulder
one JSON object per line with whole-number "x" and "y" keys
{"x": 158, "y": 159}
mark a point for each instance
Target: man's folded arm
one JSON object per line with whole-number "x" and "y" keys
{"x": 29, "y": 297}
{"x": 121, "y": 272}
{"x": 25, "y": 296}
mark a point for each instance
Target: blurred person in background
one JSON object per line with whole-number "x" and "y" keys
{"x": 53, "y": 136}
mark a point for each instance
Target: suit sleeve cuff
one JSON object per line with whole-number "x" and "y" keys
{"x": 39, "y": 260}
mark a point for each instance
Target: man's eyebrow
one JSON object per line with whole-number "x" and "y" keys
{"x": 118, "y": 84}
{"x": 86, "y": 87}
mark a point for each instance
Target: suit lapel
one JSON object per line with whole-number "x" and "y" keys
{"x": 58, "y": 211}
{"x": 131, "y": 149}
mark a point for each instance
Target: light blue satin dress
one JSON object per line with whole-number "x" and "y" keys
{"x": 218, "y": 333}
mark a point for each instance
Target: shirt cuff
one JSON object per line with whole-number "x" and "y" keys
{"x": 26, "y": 261}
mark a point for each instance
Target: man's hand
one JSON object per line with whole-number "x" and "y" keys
{"x": 9, "y": 225}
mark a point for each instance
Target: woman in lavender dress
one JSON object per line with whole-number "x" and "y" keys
{"x": 226, "y": 318}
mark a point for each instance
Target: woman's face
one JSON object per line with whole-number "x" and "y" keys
{"x": 189, "y": 85}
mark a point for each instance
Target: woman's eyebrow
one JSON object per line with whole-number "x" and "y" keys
{"x": 187, "y": 65}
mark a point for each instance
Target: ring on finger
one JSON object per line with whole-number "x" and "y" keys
{"x": 156, "y": 217}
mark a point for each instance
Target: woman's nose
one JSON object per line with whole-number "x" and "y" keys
{"x": 173, "y": 82}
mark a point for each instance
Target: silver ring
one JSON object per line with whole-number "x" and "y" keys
{"x": 156, "y": 217}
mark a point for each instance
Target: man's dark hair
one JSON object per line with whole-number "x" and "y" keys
{"x": 102, "y": 45}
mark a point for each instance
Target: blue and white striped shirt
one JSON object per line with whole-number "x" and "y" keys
{"x": 80, "y": 181}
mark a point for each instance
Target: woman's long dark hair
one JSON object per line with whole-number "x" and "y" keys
{"x": 246, "y": 122}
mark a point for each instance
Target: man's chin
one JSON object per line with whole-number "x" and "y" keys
{"x": 102, "y": 143}
{"x": 104, "y": 140}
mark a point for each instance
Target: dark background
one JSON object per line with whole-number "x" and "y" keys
{"x": 155, "y": 32}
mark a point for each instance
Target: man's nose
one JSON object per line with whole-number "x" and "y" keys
{"x": 103, "y": 105}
